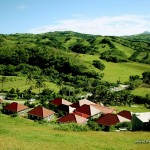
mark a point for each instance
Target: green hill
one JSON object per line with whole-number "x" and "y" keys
{"x": 67, "y": 58}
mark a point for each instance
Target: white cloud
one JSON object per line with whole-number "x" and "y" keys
{"x": 106, "y": 25}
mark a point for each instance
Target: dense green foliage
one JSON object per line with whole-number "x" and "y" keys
{"x": 114, "y": 56}
{"x": 63, "y": 59}
{"x": 72, "y": 127}
{"x": 98, "y": 64}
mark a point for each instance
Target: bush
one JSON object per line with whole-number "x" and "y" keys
{"x": 93, "y": 126}
{"x": 14, "y": 115}
{"x": 72, "y": 127}
{"x": 11, "y": 96}
{"x": 127, "y": 125}
{"x": 114, "y": 56}
{"x": 98, "y": 64}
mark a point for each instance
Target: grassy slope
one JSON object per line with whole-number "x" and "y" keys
{"x": 114, "y": 71}
{"x": 134, "y": 108}
{"x": 23, "y": 134}
{"x": 141, "y": 91}
{"x": 20, "y": 83}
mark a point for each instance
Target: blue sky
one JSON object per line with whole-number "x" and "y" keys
{"x": 103, "y": 17}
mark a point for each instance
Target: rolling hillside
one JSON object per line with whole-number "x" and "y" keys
{"x": 67, "y": 58}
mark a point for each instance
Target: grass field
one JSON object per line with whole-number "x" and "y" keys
{"x": 23, "y": 134}
{"x": 141, "y": 91}
{"x": 117, "y": 71}
{"x": 134, "y": 108}
{"x": 21, "y": 84}
{"x": 112, "y": 73}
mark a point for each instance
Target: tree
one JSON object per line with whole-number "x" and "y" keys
{"x": 3, "y": 79}
{"x": 98, "y": 64}
{"x": 146, "y": 77}
{"x": 29, "y": 78}
{"x": 40, "y": 83}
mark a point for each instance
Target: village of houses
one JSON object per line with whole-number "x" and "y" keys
{"x": 80, "y": 112}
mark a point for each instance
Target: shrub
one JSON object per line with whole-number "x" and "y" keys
{"x": 127, "y": 125}
{"x": 114, "y": 56}
{"x": 14, "y": 115}
{"x": 93, "y": 126}
{"x": 72, "y": 127}
{"x": 98, "y": 64}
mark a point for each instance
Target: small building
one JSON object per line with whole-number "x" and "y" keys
{"x": 39, "y": 113}
{"x": 141, "y": 121}
{"x": 74, "y": 118}
{"x": 104, "y": 109}
{"x": 66, "y": 108}
{"x": 111, "y": 119}
{"x": 125, "y": 114}
{"x": 63, "y": 105}
{"x": 14, "y": 107}
{"x": 82, "y": 114}
{"x": 88, "y": 110}
{"x": 60, "y": 101}
{"x": 108, "y": 120}
{"x": 82, "y": 102}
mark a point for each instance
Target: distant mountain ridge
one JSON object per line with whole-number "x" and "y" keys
{"x": 145, "y": 37}
{"x": 146, "y": 32}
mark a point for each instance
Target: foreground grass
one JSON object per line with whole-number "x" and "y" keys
{"x": 23, "y": 134}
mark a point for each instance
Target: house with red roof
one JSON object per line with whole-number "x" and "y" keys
{"x": 66, "y": 108}
{"x": 104, "y": 109}
{"x": 108, "y": 120}
{"x": 125, "y": 114}
{"x": 39, "y": 113}
{"x": 81, "y": 114}
{"x": 89, "y": 110}
{"x": 82, "y": 102}
{"x": 74, "y": 118}
{"x": 111, "y": 119}
{"x": 14, "y": 107}
{"x": 63, "y": 105}
{"x": 60, "y": 101}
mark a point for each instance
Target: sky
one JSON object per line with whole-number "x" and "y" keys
{"x": 99, "y": 17}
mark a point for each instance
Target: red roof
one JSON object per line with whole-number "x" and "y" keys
{"x": 88, "y": 109}
{"x": 72, "y": 118}
{"x": 41, "y": 112}
{"x": 81, "y": 114}
{"x": 108, "y": 119}
{"x": 103, "y": 109}
{"x": 81, "y": 102}
{"x": 16, "y": 107}
{"x": 59, "y": 101}
{"x": 125, "y": 114}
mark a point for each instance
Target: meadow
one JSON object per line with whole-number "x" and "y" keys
{"x": 21, "y": 84}
{"x": 116, "y": 71}
{"x": 112, "y": 73}
{"x": 23, "y": 134}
